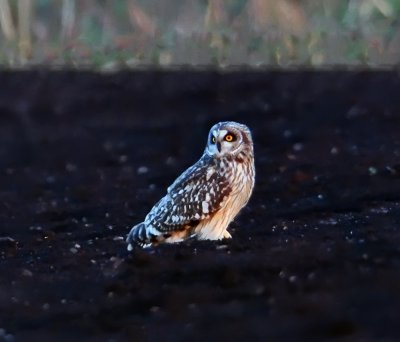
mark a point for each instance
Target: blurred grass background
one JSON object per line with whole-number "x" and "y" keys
{"x": 109, "y": 35}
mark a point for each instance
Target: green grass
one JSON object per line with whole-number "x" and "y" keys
{"x": 106, "y": 34}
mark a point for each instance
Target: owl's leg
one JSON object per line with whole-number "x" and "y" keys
{"x": 177, "y": 236}
{"x": 226, "y": 235}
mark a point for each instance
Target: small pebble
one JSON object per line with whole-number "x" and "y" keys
{"x": 298, "y": 147}
{"x": 392, "y": 170}
{"x": 50, "y": 179}
{"x": 170, "y": 161}
{"x": 142, "y": 170}
{"x": 70, "y": 167}
{"x": 222, "y": 247}
{"x": 372, "y": 170}
{"x": 26, "y": 273}
{"x": 287, "y": 133}
{"x": 154, "y": 309}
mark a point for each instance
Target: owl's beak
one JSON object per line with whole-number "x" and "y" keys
{"x": 218, "y": 146}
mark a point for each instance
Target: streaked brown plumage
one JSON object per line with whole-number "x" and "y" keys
{"x": 207, "y": 196}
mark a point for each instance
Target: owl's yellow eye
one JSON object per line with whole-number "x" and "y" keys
{"x": 229, "y": 137}
{"x": 213, "y": 140}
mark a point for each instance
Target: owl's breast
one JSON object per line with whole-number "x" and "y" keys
{"x": 241, "y": 176}
{"x": 242, "y": 184}
{"x": 241, "y": 180}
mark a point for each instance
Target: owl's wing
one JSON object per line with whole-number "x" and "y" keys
{"x": 196, "y": 195}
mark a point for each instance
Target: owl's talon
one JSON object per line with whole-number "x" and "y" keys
{"x": 227, "y": 235}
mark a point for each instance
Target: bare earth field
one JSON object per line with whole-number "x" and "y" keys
{"x": 315, "y": 254}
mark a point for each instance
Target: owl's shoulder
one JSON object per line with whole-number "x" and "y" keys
{"x": 195, "y": 173}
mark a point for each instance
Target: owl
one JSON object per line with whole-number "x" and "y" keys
{"x": 205, "y": 198}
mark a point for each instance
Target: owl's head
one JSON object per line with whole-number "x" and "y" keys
{"x": 229, "y": 138}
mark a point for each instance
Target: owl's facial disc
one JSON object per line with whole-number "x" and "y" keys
{"x": 223, "y": 141}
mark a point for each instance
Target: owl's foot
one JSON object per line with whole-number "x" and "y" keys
{"x": 226, "y": 235}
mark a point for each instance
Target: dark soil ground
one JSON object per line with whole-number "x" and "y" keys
{"x": 315, "y": 254}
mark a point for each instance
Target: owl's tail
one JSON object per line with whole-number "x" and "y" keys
{"x": 140, "y": 236}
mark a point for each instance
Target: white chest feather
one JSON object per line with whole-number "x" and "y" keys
{"x": 242, "y": 186}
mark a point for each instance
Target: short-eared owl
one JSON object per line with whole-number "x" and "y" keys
{"x": 207, "y": 196}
